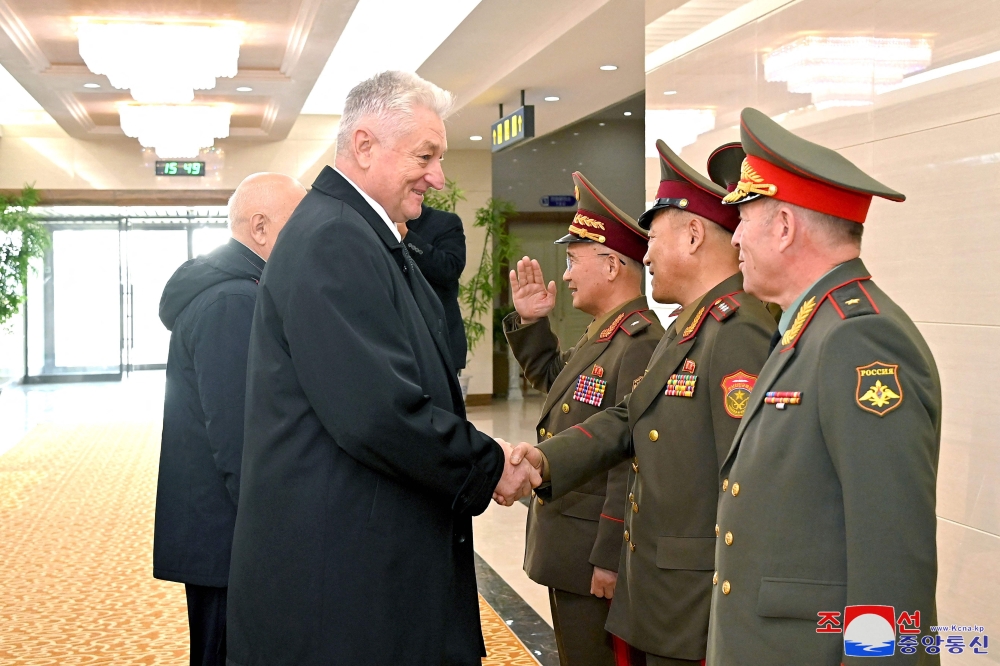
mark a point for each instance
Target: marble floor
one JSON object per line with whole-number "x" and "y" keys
{"x": 499, "y": 532}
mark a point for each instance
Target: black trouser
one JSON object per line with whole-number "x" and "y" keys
{"x": 207, "y": 621}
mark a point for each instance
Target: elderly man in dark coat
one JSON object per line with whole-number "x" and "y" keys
{"x": 208, "y": 307}
{"x": 361, "y": 474}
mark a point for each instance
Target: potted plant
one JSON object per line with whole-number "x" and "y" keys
{"x": 481, "y": 294}
{"x": 22, "y": 238}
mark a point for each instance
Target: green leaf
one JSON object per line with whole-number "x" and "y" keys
{"x": 22, "y": 238}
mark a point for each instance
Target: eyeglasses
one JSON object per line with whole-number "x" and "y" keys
{"x": 570, "y": 261}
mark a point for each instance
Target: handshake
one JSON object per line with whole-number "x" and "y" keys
{"x": 522, "y": 471}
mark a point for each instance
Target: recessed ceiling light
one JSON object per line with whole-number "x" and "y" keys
{"x": 244, "y": 89}
{"x": 601, "y": 124}
{"x": 608, "y": 68}
{"x": 628, "y": 113}
{"x": 91, "y": 85}
{"x": 670, "y": 92}
{"x": 552, "y": 98}
{"x": 475, "y": 137}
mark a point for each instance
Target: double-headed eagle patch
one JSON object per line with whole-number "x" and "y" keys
{"x": 879, "y": 390}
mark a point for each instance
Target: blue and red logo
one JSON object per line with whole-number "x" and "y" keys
{"x": 869, "y": 631}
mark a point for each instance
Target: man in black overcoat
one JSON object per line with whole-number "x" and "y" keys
{"x": 361, "y": 474}
{"x": 207, "y": 305}
{"x": 436, "y": 241}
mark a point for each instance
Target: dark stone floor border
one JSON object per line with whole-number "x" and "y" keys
{"x": 526, "y": 624}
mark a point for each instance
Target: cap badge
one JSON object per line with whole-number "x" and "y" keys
{"x": 800, "y": 320}
{"x": 683, "y": 203}
{"x": 576, "y": 192}
{"x": 751, "y": 182}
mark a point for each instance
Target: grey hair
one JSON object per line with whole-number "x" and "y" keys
{"x": 389, "y": 98}
{"x": 837, "y": 230}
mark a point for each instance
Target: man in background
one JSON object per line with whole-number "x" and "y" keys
{"x": 436, "y": 242}
{"x": 207, "y": 305}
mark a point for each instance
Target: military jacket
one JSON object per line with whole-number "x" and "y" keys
{"x": 568, "y": 537}
{"x": 828, "y": 494}
{"x": 674, "y": 429}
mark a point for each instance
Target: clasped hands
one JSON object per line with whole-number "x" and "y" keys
{"x": 522, "y": 471}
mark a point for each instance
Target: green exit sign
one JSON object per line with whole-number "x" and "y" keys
{"x": 514, "y": 128}
{"x": 174, "y": 168}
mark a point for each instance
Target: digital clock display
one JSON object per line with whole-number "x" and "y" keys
{"x": 172, "y": 168}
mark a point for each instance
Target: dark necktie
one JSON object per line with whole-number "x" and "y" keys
{"x": 775, "y": 338}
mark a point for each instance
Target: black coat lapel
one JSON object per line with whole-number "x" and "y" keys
{"x": 333, "y": 184}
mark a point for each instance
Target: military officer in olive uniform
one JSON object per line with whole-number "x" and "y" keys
{"x": 828, "y": 494}
{"x": 676, "y": 427}
{"x": 573, "y": 542}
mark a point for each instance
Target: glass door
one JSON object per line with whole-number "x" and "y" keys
{"x": 151, "y": 257}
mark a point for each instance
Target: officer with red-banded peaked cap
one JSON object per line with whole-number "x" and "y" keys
{"x": 680, "y": 418}
{"x": 827, "y": 552}
{"x": 573, "y": 544}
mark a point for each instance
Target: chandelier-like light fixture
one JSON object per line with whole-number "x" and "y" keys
{"x": 176, "y": 131}
{"x": 161, "y": 62}
{"x": 845, "y": 71}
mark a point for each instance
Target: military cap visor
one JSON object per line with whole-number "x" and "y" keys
{"x": 684, "y": 188}
{"x": 782, "y": 165}
{"x": 597, "y": 220}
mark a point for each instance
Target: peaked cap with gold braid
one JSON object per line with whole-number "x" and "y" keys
{"x": 597, "y": 220}
{"x": 782, "y": 165}
{"x": 684, "y": 188}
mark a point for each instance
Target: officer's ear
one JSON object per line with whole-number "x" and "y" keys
{"x": 695, "y": 233}
{"x": 785, "y": 225}
{"x": 258, "y": 228}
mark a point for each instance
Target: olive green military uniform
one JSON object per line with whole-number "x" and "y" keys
{"x": 674, "y": 430}
{"x": 568, "y": 537}
{"x": 828, "y": 493}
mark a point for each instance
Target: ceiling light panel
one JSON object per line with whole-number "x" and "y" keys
{"x": 383, "y": 35}
{"x": 845, "y": 71}
{"x": 163, "y": 63}
{"x": 677, "y": 127}
{"x": 686, "y": 19}
{"x": 176, "y": 131}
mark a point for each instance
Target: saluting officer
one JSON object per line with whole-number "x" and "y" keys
{"x": 676, "y": 427}
{"x": 573, "y": 543}
{"x": 828, "y": 492}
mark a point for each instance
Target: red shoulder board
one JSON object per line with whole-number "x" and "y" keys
{"x": 849, "y": 299}
{"x": 630, "y": 323}
{"x": 723, "y": 308}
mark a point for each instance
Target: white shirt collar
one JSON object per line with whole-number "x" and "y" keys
{"x": 375, "y": 205}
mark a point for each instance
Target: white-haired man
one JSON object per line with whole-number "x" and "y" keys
{"x": 361, "y": 474}
{"x": 207, "y": 305}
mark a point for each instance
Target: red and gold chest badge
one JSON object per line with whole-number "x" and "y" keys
{"x": 736, "y": 390}
{"x": 689, "y": 365}
{"x": 598, "y": 371}
{"x": 879, "y": 390}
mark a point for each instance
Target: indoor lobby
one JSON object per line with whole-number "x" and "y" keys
{"x": 126, "y": 127}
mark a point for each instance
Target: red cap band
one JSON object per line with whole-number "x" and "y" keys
{"x": 611, "y": 233}
{"x": 700, "y": 202}
{"x": 811, "y": 194}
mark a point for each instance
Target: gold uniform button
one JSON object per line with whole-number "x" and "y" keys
{"x": 716, "y": 525}
{"x": 635, "y": 508}
{"x": 726, "y": 587}
{"x": 548, "y": 436}
{"x": 626, "y": 535}
{"x": 725, "y": 485}
{"x": 565, "y": 408}
{"x": 532, "y": 493}
{"x": 653, "y": 435}
{"x": 541, "y": 502}
{"x": 541, "y": 431}
{"x": 729, "y": 538}
{"x": 635, "y": 467}
{"x": 631, "y": 547}
{"x": 736, "y": 489}
{"x": 715, "y": 578}
{"x": 631, "y": 497}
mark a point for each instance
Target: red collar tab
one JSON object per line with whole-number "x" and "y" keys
{"x": 761, "y": 177}
{"x": 811, "y": 306}
{"x": 616, "y": 325}
{"x": 725, "y": 307}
